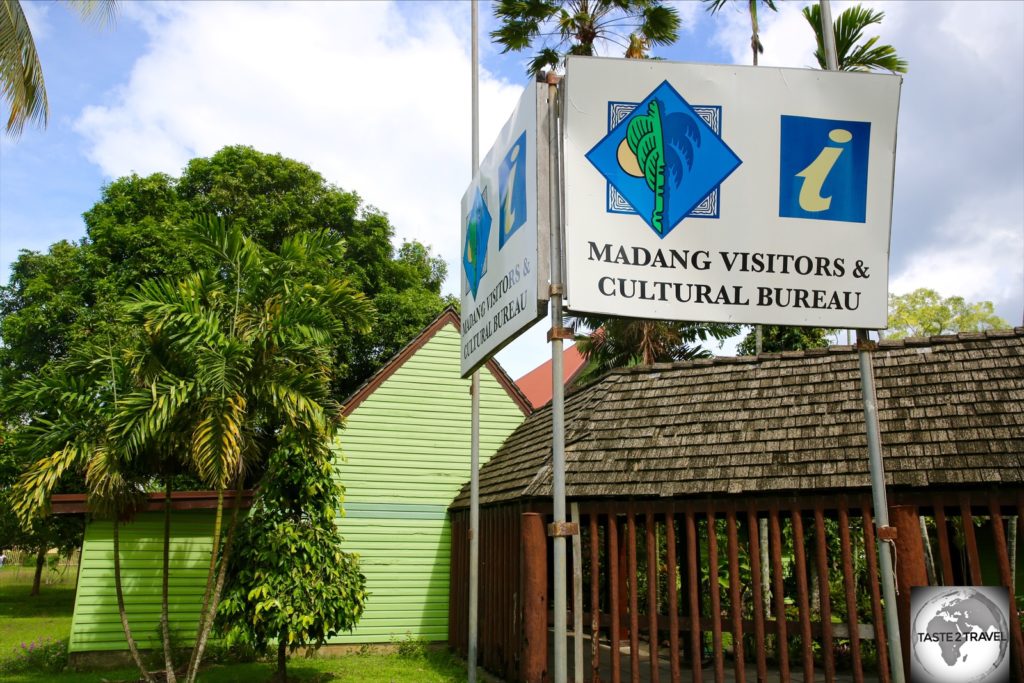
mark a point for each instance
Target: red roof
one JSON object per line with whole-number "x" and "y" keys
{"x": 536, "y": 384}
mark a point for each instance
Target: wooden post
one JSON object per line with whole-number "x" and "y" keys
{"x": 534, "y": 654}
{"x": 910, "y": 567}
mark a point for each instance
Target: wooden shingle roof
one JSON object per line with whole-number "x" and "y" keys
{"x": 951, "y": 412}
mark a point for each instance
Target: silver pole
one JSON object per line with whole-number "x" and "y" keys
{"x": 474, "y": 466}
{"x": 867, "y": 388}
{"x": 828, "y": 36}
{"x": 557, "y": 395}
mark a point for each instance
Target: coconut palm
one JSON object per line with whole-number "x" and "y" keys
{"x": 578, "y": 27}
{"x": 756, "y": 47}
{"x": 21, "y": 75}
{"x": 849, "y": 29}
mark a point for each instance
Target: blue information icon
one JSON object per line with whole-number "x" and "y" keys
{"x": 823, "y": 169}
{"x": 512, "y": 191}
{"x": 474, "y": 251}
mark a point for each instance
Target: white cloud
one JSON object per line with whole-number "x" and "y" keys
{"x": 375, "y": 103}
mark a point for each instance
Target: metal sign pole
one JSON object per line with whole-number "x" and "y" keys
{"x": 867, "y": 386}
{"x": 559, "y": 530}
{"x": 474, "y": 475}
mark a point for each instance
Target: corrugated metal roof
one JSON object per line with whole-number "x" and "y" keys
{"x": 951, "y": 412}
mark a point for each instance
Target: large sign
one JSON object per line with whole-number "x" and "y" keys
{"x": 728, "y": 193}
{"x": 505, "y": 234}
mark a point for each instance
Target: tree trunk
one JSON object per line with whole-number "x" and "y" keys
{"x": 207, "y": 623}
{"x": 282, "y": 660}
{"x": 214, "y": 552}
{"x": 165, "y": 627}
{"x": 929, "y": 559}
{"x": 40, "y": 563}
{"x": 132, "y": 648}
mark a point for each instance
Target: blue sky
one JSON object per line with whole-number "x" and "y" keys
{"x": 330, "y": 84}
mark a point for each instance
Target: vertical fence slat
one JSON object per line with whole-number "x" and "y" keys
{"x": 782, "y": 640}
{"x": 802, "y": 595}
{"x": 716, "y": 598}
{"x": 943, "y": 532}
{"x": 692, "y": 564}
{"x": 970, "y": 541}
{"x": 735, "y": 603}
{"x": 534, "y": 646}
{"x": 849, "y": 584}
{"x": 614, "y": 630}
{"x": 652, "y": 591}
{"x": 823, "y": 593}
{"x": 876, "y": 598}
{"x": 1005, "y": 576}
{"x": 673, "y": 595}
{"x": 634, "y": 616}
{"x": 595, "y": 599}
{"x": 755, "y": 573}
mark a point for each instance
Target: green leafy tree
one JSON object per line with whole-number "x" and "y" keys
{"x": 57, "y": 300}
{"x": 576, "y": 27}
{"x": 777, "y": 338}
{"x": 318, "y": 591}
{"x": 851, "y": 54}
{"x": 609, "y": 342}
{"x": 925, "y": 313}
{"x": 224, "y": 366}
{"x": 756, "y": 47}
{"x": 22, "y": 87}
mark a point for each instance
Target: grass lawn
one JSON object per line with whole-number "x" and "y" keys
{"x": 48, "y": 616}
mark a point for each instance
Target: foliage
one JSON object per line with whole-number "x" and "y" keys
{"x": 775, "y": 338}
{"x": 756, "y": 46}
{"x": 22, "y": 87}
{"x": 609, "y": 342}
{"x": 849, "y": 29}
{"x": 578, "y": 27}
{"x": 59, "y": 300}
{"x": 924, "y": 313}
{"x": 290, "y": 579}
{"x": 39, "y": 654}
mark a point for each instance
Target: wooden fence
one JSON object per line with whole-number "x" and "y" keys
{"x": 755, "y": 589}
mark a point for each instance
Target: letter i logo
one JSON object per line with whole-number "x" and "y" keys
{"x": 823, "y": 169}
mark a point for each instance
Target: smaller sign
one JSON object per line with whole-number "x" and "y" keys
{"x": 505, "y": 234}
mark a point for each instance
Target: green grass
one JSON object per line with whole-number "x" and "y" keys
{"x": 48, "y": 615}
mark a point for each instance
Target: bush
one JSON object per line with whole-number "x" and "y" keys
{"x": 43, "y": 654}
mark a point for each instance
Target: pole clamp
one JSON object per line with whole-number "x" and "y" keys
{"x": 887, "y": 533}
{"x": 556, "y": 289}
{"x": 560, "y": 333}
{"x": 563, "y": 529}
{"x": 866, "y": 345}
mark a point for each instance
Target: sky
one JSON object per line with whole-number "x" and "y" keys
{"x": 376, "y": 97}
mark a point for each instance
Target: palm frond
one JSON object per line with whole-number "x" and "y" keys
{"x": 22, "y": 87}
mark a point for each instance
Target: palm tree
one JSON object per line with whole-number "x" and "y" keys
{"x": 610, "y": 342}
{"x": 576, "y": 27}
{"x": 849, "y": 29}
{"x": 234, "y": 361}
{"x": 225, "y": 364}
{"x": 756, "y": 47}
{"x": 69, "y": 407}
{"x": 21, "y": 75}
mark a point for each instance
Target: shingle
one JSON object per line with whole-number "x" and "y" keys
{"x": 950, "y": 410}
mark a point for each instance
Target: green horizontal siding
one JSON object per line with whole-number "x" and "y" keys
{"x": 96, "y": 624}
{"x": 405, "y": 456}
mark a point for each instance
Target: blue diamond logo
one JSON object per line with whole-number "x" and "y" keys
{"x": 478, "y": 233}
{"x": 663, "y": 159}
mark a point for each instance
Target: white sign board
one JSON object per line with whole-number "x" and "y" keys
{"x": 728, "y": 193}
{"x": 505, "y": 234}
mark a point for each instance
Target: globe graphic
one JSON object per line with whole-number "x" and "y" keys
{"x": 960, "y": 636}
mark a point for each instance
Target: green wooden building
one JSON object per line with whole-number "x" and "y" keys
{"x": 403, "y": 457}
